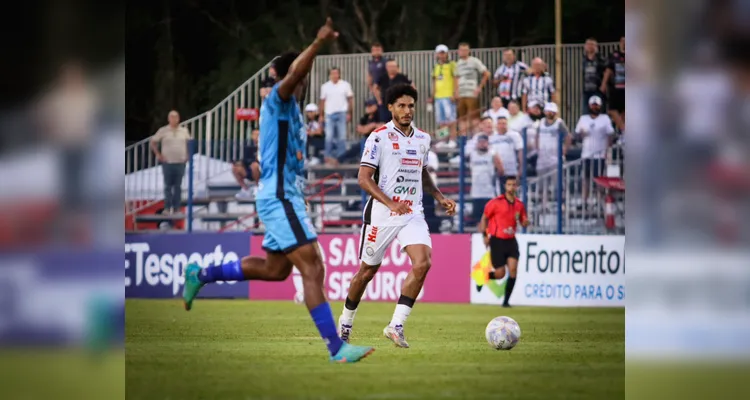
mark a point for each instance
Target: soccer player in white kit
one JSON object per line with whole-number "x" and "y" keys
{"x": 393, "y": 171}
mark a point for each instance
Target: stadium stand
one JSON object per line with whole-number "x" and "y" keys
{"x": 334, "y": 196}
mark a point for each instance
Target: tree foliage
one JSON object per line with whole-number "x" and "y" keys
{"x": 189, "y": 55}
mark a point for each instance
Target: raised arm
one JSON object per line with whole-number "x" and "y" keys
{"x": 303, "y": 63}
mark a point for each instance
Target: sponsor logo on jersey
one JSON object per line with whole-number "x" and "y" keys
{"x": 419, "y": 136}
{"x": 405, "y": 190}
{"x": 395, "y": 146}
{"x": 411, "y": 152}
{"x": 408, "y": 171}
{"x": 411, "y": 161}
{"x": 377, "y": 139}
{"x": 373, "y": 235}
{"x": 374, "y": 152}
{"x": 398, "y": 199}
{"x": 393, "y": 137}
{"x": 401, "y": 179}
{"x": 422, "y": 149}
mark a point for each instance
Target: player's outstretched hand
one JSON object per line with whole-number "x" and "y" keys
{"x": 400, "y": 208}
{"x": 449, "y": 206}
{"x": 326, "y": 33}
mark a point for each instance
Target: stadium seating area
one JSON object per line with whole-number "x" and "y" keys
{"x": 335, "y": 197}
{"x": 336, "y": 202}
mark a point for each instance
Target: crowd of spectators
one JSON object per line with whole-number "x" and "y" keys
{"x": 523, "y": 109}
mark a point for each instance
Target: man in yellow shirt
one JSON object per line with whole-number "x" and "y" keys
{"x": 444, "y": 84}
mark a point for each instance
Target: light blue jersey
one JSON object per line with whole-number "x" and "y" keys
{"x": 282, "y": 153}
{"x": 280, "y": 200}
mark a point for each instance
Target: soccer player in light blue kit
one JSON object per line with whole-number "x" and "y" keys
{"x": 290, "y": 238}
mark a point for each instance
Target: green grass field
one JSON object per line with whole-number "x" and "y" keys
{"x": 238, "y": 349}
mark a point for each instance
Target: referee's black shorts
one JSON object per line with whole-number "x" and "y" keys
{"x": 501, "y": 250}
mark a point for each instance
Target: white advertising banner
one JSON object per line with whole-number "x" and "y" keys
{"x": 559, "y": 270}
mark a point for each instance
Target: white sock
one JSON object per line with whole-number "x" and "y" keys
{"x": 400, "y": 315}
{"x": 347, "y": 317}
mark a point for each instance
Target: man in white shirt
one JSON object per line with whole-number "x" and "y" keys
{"x": 517, "y": 119}
{"x": 482, "y": 165}
{"x": 597, "y": 132}
{"x": 336, "y": 101}
{"x": 551, "y": 134}
{"x": 507, "y": 149}
{"x": 496, "y": 111}
{"x": 551, "y": 131}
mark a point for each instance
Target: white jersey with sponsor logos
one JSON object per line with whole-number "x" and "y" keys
{"x": 398, "y": 161}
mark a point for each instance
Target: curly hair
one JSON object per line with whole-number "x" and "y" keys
{"x": 397, "y": 91}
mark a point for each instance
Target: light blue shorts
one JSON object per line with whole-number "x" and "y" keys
{"x": 287, "y": 224}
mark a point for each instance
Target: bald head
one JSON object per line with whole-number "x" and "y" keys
{"x": 537, "y": 64}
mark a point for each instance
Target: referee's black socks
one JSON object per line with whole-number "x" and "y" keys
{"x": 509, "y": 289}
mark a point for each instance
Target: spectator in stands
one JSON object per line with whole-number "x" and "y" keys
{"x": 267, "y": 84}
{"x": 247, "y": 169}
{"x": 597, "y": 133}
{"x": 472, "y": 76}
{"x": 615, "y": 73}
{"x": 517, "y": 119}
{"x": 336, "y": 102}
{"x": 173, "y": 154}
{"x": 375, "y": 67}
{"x": 507, "y": 148}
{"x": 532, "y": 133}
{"x": 482, "y": 165}
{"x": 444, "y": 85}
{"x": 534, "y": 110}
{"x": 593, "y": 72}
{"x": 496, "y": 110}
{"x": 391, "y": 77}
{"x": 538, "y": 86}
{"x": 368, "y": 123}
{"x": 550, "y": 132}
{"x": 509, "y": 77}
{"x": 315, "y": 139}
{"x": 479, "y": 127}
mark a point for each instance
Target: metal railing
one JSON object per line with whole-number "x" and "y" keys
{"x": 568, "y": 199}
{"x": 219, "y": 135}
{"x": 418, "y": 65}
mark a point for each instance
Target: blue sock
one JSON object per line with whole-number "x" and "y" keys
{"x": 323, "y": 318}
{"x": 231, "y": 271}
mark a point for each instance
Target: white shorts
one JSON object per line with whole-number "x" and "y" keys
{"x": 375, "y": 240}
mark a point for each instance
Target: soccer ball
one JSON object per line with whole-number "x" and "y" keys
{"x": 502, "y": 333}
